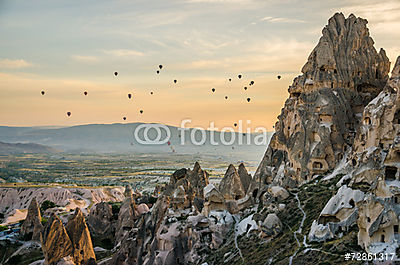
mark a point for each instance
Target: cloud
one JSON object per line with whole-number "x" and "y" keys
{"x": 124, "y": 53}
{"x": 14, "y": 64}
{"x": 281, "y": 20}
{"x": 84, "y": 59}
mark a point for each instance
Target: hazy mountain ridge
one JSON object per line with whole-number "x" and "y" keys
{"x": 119, "y": 138}
{"x": 14, "y": 148}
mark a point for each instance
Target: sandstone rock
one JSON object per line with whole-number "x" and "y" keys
{"x": 372, "y": 165}
{"x": 139, "y": 244}
{"x": 186, "y": 186}
{"x": 245, "y": 177}
{"x": 278, "y": 192}
{"x": 55, "y": 241}
{"x": 320, "y": 118}
{"x": 232, "y": 207}
{"x": 79, "y": 235}
{"x": 32, "y": 226}
{"x": 338, "y": 215}
{"x": 100, "y": 221}
{"x": 376, "y": 222}
{"x": 271, "y": 226}
{"x": 127, "y": 215}
{"x": 142, "y": 209}
{"x": 213, "y": 200}
{"x": 196, "y": 178}
{"x": 231, "y": 185}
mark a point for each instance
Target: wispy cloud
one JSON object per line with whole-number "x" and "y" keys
{"x": 84, "y": 59}
{"x": 281, "y": 20}
{"x": 124, "y": 53}
{"x": 14, "y": 64}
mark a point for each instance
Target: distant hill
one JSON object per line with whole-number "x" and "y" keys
{"x": 119, "y": 138}
{"x": 17, "y": 148}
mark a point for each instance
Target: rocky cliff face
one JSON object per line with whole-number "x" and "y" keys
{"x": 32, "y": 226}
{"x": 372, "y": 169}
{"x": 320, "y": 118}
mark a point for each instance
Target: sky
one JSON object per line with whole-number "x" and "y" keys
{"x": 67, "y": 47}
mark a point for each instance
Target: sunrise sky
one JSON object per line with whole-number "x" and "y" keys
{"x": 68, "y": 47}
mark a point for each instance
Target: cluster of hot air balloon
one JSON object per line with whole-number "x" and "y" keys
{"x": 160, "y": 67}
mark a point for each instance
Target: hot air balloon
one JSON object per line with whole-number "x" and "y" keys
{"x": 115, "y": 73}
{"x": 248, "y": 99}
{"x": 175, "y": 81}
{"x": 239, "y": 76}
{"x": 151, "y": 93}
{"x": 158, "y": 72}
{"x": 42, "y": 92}
{"x": 213, "y": 90}
{"x": 69, "y": 113}
{"x": 141, "y": 111}
{"x": 129, "y": 96}
{"x": 251, "y": 83}
{"x": 230, "y": 79}
{"x": 235, "y": 124}
{"x": 226, "y": 97}
{"x": 279, "y": 77}
{"x": 245, "y": 88}
{"x": 85, "y": 93}
{"x": 124, "y": 118}
{"x": 160, "y": 66}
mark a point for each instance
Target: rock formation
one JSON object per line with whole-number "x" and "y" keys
{"x": 320, "y": 118}
{"x": 245, "y": 177}
{"x": 32, "y": 226}
{"x": 231, "y": 186}
{"x": 213, "y": 200}
{"x": 127, "y": 215}
{"x": 56, "y": 243}
{"x": 189, "y": 219}
{"x": 373, "y": 168}
{"x": 67, "y": 245}
{"x": 100, "y": 221}
{"x": 186, "y": 186}
{"x": 79, "y": 235}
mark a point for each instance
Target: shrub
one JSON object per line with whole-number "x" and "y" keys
{"x": 47, "y": 205}
{"x": 44, "y": 221}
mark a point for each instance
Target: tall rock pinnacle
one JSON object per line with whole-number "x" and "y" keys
{"x": 318, "y": 123}
{"x": 32, "y": 226}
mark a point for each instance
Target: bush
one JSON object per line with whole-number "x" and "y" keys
{"x": 115, "y": 206}
{"x": 47, "y": 205}
{"x": 44, "y": 221}
{"x": 3, "y": 227}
